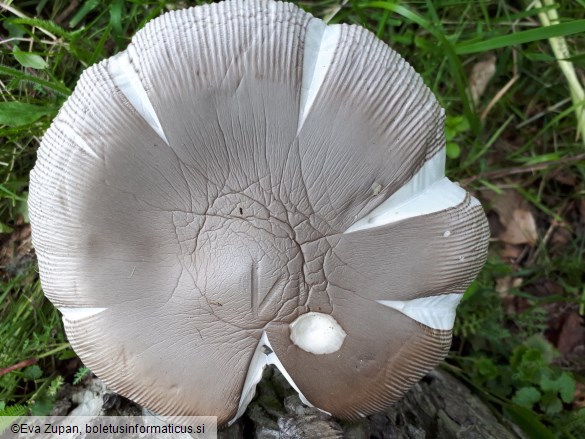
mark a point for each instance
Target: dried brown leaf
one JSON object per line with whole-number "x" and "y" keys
{"x": 579, "y": 398}
{"x": 572, "y": 333}
{"x": 481, "y": 74}
{"x": 519, "y": 225}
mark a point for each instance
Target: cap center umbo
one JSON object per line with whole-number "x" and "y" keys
{"x": 251, "y": 270}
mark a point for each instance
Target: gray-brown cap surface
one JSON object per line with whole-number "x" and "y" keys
{"x": 244, "y": 186}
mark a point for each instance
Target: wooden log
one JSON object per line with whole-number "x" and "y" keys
{"x": 439, "y": 406}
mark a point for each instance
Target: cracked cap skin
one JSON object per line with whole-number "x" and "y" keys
{"x": 245, "y": 185}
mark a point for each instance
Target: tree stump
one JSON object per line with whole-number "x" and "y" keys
{"x": 439, "y": 406}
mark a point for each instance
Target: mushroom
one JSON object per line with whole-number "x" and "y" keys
{"x": 242, "y": 186}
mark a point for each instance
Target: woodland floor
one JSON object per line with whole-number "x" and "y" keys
{"x": 514, "y": 141}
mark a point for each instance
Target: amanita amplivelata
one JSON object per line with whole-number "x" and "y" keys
{"x": 245, "y": 185}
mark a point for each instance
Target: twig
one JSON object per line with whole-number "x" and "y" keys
{"x": 67, "y": 12}
{"x": 333, "y": 11}
{"x": 543, "y": 113}
{"x": 500, "y": 173}
{"x": 553, "y": 225}
{"x": 20, "y": 365}
{"x": 498, "y": 96}
{"x": 503, "y": 90}
{"x": 506, "y": 24}
{"x": 29, "y": 40}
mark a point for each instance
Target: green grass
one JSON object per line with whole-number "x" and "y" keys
{"x": 522, "y": 134}
{"x": 31, "y": 332}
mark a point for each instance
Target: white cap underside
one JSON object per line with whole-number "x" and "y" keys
{"x": 72, "y": 134}
{"x": 77, "y": 314}
{"x": 320, "y": 44}
{"x": 128, "y": 81}
{"x": 263, "y": 357}
{"x": 428, "y": 191}
{"x": 437, "y": 312}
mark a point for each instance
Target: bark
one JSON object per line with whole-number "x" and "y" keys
{"x": 439, "y": 407}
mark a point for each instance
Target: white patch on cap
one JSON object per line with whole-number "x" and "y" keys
{"x": 77, "y": 314}
{"x": 263, "y": 356}
{"x": 320, "y": 44}
{"x": 72, "y": 134}
{"x": 128, "y": 81}
{"x": 437, "y": 312}
{"x": 317, "y": 333}
{"x": 426, "y": 192}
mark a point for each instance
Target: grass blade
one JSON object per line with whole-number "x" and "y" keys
{"x": 21, "y": 76}
{"x": 447, "y": 46}
{"x": 48, "y": 26}
{"x": 27, "y": 59}
{"x": 528, "y": 422}
{"x": 527, "y": 36}
{"x": 17, "y": 114}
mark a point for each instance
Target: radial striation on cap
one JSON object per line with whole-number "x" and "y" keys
{"x": 242, "y": 186}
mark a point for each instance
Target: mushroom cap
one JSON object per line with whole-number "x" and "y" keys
{"x": 242, "y": 186}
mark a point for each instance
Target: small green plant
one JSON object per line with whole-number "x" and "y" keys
{"x": 8, "y": 414}
{"x": 454, "y": 126}
{"x": 13, "y": 410}
{"x": 537, "y": 383}
{"x": 573, "y": 423}
{"x": 505, "y": 354}
{"x": 80, "y": 375}
{"x": 32, "y": 342}
{"x": 527, "y": 378}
